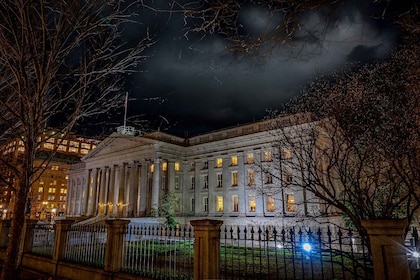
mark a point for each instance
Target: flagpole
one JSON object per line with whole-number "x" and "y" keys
{"x": 125, "y": 112}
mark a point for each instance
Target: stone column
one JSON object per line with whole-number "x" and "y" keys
{"x": 128, "y": 178}
{"x": 87, "y": 196}
{"x": 95, "y": 192}
{"x": 206, "y": 249}
{"x": 102, "y": 186}
{"x": 114, "y": 244}
{"x": 111, "y": 197}
{"x": 121, "y": 188}
{"x": 155, "y": 186}
{"x": 387, "y": 247}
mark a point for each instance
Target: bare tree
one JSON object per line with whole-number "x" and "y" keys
{"x": 357, "y": 151}
{"x": 285, "y": 21}
{"x": 61, "y": 62}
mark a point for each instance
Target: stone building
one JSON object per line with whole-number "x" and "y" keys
{"x": 218, "y": 175}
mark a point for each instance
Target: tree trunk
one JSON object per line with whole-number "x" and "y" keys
{"x": 13, "y": 253}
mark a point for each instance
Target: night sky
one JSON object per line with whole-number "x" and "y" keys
{"x": 192, "y": 84}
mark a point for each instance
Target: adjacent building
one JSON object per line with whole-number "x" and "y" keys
{"x": 230, "y": 174}
{"x": 48, "y": 192}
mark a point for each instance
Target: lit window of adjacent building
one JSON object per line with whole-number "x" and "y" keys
{"x": 164, "y": 166}
{"x": 62, "y": 198}
{"x": 192, "y": 182}
{"x": 267, "y": 156}
{"x": 74, "y": 144}
{"x": 48, "y": 146}
{"x": 50, "y": 140}
{"x": 62, "y": 148}
{"x": 176, "y": 182}
{"x": 252, "y": 203}
{"x": 234, "y": 178}
{"x": 41, "y": 189}
{"x": 219, "y": 180}
{"x": 251, "y": 177}
{"x": 152, "y": 168}
{"x": 54, "y": 167}
{"x": 177, "y": 166}
{"x": 51, "y": 190}
{"x": 250, "y": 158}
{"x": 73, "y": 150}
{"x": 235, "y": 203}
{"x": 234, "y": 160}
{"x": 219, "y": 162}
{"x": 85, "y": 146}
{"x": 205, "y": 204}
{"x": 220, "y": 204}
{"x": 39, "y": 197}
{"x": 206, "y": 181}
{"x": 84, "y": 151}
{"x": 290, "y": 200}
{"x": 270, "y": 204}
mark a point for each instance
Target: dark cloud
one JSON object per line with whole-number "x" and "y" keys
{"x": 205, "y": 87}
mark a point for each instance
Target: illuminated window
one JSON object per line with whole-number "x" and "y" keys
{"x": 219, "y": 162}
{"x": 62, "y": 198}
{"x": 235, "y": 203}
{"x": 73, "y": 150}
{"x": 270, "y": 204}
{"x": 234, "y": 178}
{"x": 177, "y": 166}
{"x": 286, "y": 153}
{"x": 220, "y": 204}
{"x": 54, "y": 167}
{"x": 51, "y": 140}
{"x": 41, "y": 189}
{"x": 48, "y": 146}
{"x": 267, "y": 156}
{"x": 164, "y": 166}
{"x": 21, "y": 149}
{"x": 219, "y": 180}
{"x": 64, "y": 142}
{"x": 176, "y": 181}
{"x": 152, "y": 168}
{"x": 85, "y": 146}
{"x": 192, "y": 182}
{"x": 290, "y": 206}
{"x": 252, "y": 203}
{"x": 51, "y": 190}
{"x": 206, "y": 181}
{"x": 205, "y": 204}
{"x": 84, "y": 151}
{"x": 234, "y": 160}
{"x": 250, "y": 158}
{"x": 74, "y": 144}
{"x": 39, "y": 197}
{"x": 251, "y": 177}
{"x": 63, "y": 190}
{"x": 62, "y": 148}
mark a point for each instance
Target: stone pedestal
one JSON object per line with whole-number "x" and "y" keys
{"x": 387, "y": 247}
{"x": 206, "y": 249}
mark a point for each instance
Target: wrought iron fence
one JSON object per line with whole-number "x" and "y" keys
{"x": 86, "y": 244}
{"x": 42, "y": 239}
{"x": 294, "y": 253}
{"x": 159, "y": 252}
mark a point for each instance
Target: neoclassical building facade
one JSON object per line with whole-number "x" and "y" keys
{"x": 231, "y": 174}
